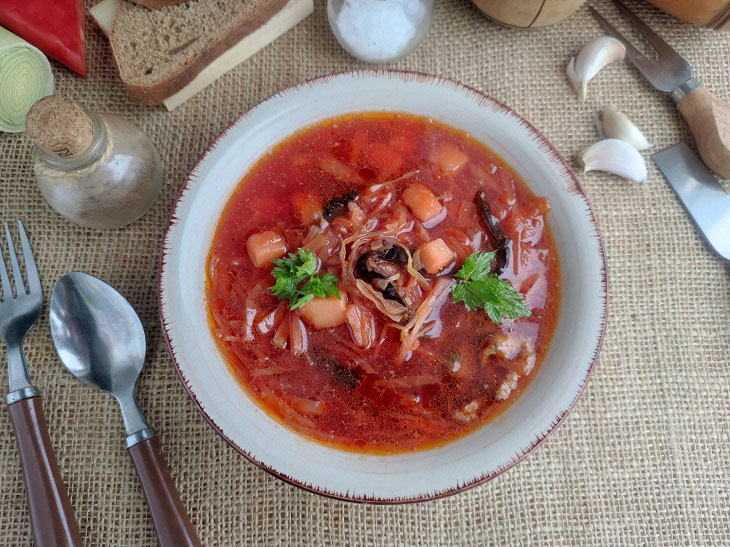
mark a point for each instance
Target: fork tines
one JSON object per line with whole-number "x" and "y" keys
{"x": 31, "y": 271}
{"x": 668, "y": 71}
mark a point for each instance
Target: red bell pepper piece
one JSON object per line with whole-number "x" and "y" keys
{"x": 56, "y": 27}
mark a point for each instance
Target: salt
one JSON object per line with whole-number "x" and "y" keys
{"x": 380, "y": 31}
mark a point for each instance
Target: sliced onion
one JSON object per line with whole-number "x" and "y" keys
{"x": 414, "y": 381}
{"x": 394, "y": 310}
{"x": 362, "y": 325}
{"x": 250, "y": 312}
{"x": 307, "y": 406}
{"x": 297, "y": 334}
{"x": 25, "y": 78}
{"x": 270, "y": 371}
{"x": 281, "y": 336}
{"x": 413, "y": 330}
{"x": 271, "y": 320}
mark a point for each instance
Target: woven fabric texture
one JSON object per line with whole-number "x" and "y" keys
{"x": 642, "y": 459}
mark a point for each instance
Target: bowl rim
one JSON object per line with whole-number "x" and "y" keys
{"x": 576, "y": 188}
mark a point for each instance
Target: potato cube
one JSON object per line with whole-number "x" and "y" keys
{"x": 264, "y": 247}
{"x": 448, "y": 158}
{"x": 325, "y": 313}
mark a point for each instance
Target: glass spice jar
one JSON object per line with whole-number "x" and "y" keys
{"x": 96, "y": 170}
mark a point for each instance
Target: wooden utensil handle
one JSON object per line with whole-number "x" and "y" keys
{"x": 709, "y": 120}
{"x": 51, "y": 515}
{"x": 172, "y": 524}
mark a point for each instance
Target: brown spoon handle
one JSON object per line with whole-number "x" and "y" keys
{"x": 51, "y": 515}
{"x": 172, "y": 524}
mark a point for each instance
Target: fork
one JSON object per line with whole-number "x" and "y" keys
{"x": 51, "y": 516}
{"x": 707, "y": 116}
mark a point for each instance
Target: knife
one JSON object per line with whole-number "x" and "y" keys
{"x": 708, "y": 117}
{"x": 702, "y": 196}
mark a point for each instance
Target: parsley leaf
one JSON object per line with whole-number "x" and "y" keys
{"x": 300, "y": 267}
{"x": 483, "y": 290}
{"x": 307, "y": 263}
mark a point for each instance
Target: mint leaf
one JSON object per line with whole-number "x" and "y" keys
{"x": 476, "y": 265}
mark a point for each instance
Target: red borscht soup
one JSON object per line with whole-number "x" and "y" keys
{"x": 414, "y": 290}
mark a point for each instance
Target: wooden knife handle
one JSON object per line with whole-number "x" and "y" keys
{"x": 709, "y": 120}
{"x": 51, "y": 516}
{"x": 172, "y": 524}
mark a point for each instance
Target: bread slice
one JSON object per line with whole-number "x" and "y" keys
{"x": 292, "y": 14}
{"x": 159, "y": 51}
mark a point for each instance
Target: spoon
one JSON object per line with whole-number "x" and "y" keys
{"x": 100, "y": 340}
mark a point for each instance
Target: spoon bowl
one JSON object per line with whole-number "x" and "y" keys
{"x": 99, "y": 339}
{"x": 112, "y": 340}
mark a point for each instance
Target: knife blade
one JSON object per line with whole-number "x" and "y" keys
{"x": 699, "y": 192}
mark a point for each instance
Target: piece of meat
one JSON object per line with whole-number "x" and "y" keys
{"x": 513, "y": 352}
{"x": 508, "y": 385}
{"x": 468, "y": 412}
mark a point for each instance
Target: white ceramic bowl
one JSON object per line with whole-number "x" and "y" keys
{"x": 421, "y": 475}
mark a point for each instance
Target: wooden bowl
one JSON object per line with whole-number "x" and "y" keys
{"x": 709, "y": 13}
{"x": 528, "y": 13}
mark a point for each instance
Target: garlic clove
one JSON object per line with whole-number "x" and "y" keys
{"x": 617, "y": 125}
{"x": 617, "y": 157}
{"x": 595, "y": 55}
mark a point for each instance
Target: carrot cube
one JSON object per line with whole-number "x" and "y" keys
{"x": 325, "y": 313}
{"x": 264, "y": 247}
{"x": 422, "y": 202}
{"x": 435, "y": 255}
{"x": 307, "y": 207}
{"x": 384, "y": 158}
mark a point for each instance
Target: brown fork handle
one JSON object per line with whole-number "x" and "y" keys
{"x": 172, "y": 524}
{"x": 50, "y": 510}
{"x": 709, "y": 120}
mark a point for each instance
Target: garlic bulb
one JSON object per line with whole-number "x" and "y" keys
{"x": 592, "y": 58}
{"x": 617, "y": 157}
{"x": 614, "y": 124}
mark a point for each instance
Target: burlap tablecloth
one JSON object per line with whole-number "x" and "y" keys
{"x": 643, "y": 459}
